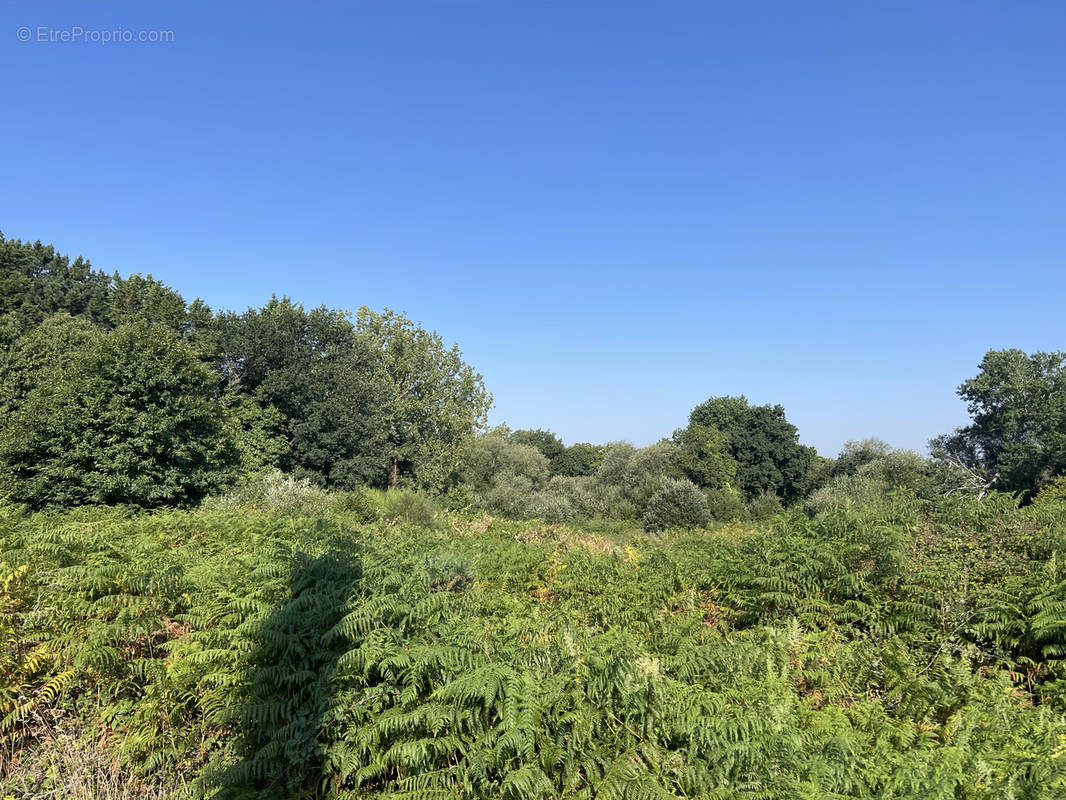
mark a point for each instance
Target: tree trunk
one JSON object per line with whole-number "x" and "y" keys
{"x": 394, "y": 472}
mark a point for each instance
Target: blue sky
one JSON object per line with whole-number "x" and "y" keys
{"x": 617, "y": 209}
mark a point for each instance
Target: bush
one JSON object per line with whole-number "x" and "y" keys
{"x": 845, "y": 491}
{"x": 273, "y": 492}
{"x": 615, "y": 467}
{"x": 410, "y": 507}
{"x": 624, "y": 510}
{"x": 457, "y": 498}
{"x": 509, "y": 497}
{"x": 581, "y": 492}
{"x": 725, "y": 505}
{"x": 629, "y": 477}
{"x": 679, "y": 504}
{"x": 357, "y": 503}
{"x": 1053, "y": 492}
{"x": 551, "y": 507}
{"x": 764, "y": 505}
{"x": 490, "y": 458}
{"x": 870, "y": 482}
{"x": 901, "y": 469}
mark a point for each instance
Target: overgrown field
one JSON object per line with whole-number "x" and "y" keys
{"x": 906, "y": 649}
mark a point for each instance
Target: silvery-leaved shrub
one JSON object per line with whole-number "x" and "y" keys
{"x": 679, "y": 504}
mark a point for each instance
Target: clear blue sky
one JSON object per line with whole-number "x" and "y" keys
{"x": 617, "y": 209}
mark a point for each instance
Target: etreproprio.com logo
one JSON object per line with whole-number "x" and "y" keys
{"x": 76, "y": 34}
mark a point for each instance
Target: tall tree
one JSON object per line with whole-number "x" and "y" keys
{"x": 433, "y": 401}
{"x": 578, "y": 460}
{"x": 1017, "y": 439}
{"x": 313, "y": 380}
{"x": 764, "y": 444}
{"x": 36, "y": 281}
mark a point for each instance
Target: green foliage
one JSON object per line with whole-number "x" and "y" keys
{"x": 899, "y": 649}
{"x": 578, "y": 460}
{"x": 303, "y": 379}
{"x": 300, "y": 635}
{"x": 878, "y": 472}
{"x": 141, "y": 298}
{"x": 1017, "y": 439}
{"x": 36, "y": 282}
{"x": 631, "y": 476}
{"x": 704, "y": 456}
{"x": 259, "y": 432}
{"x": 47, "y": 352}
{"x": 487, "y": 459}
{"x": 432, "y": 402}
{"x": 126, "y": 417}
{"x": 763, "y": 506}
{"x": 857, "y": 453}
{"x": 725, "y": 505}
{"x": 549, "y": 445}
{"x": 764, "y": 445}
{"x": 512, "y": 480}
{"x": 408, "y": 507}
{"x": 370, "y": 402}
{"x": 678, "y": 504}
{"x": 1054, "y": 492}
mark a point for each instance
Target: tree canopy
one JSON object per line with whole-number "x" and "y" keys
{"x": 432, "y": 401}
{"x": 36, "y": 281}
{"x": 375, "y": 400}
{"x": 120, "y": 417}
{"x": 1017, "y": 437}
{"x": 762, "y": 442}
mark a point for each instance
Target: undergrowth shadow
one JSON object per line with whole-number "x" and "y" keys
{"x": 285, "y": 689}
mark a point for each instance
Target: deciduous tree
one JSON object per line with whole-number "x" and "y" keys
{"x": 128, "y": 417}
{"x": 762, "y": 441}
{"x": 1017, "y": 439}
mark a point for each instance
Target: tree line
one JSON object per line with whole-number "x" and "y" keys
{"x": 117, "y": 391}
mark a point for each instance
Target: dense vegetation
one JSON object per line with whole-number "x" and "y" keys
{"x": 125, "y": 392}
{"x": 277, "y": 553}
{"x": 286, "y": 648}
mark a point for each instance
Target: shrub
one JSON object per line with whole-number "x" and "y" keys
{"x": 581, "y": 492}
{"x": 509, "y": 497}
{"x": 901, "y": 469}
{"x": 764, "y": 505}
{"x": 615, "y": 467}
{"x": 404, "y": 505}
{"x": 457, "y": 498}
{"x": 845, "y": 491}
{"x": 357, "y": 503}
{"x": 679, "y": 504}
{"x": 487, "y": 459}
{"x": 725, "y": 505}
{"x": 624, "y": 510}
{"x": 1053, "y": 492}
{"x": 633, "y": 476}
{"x": 551, "y": 507}
{"x": 273, "y": 492}
{"x": 870, "y": 482}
